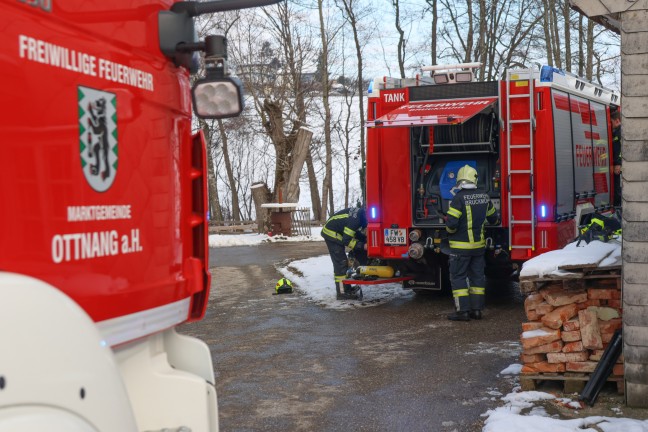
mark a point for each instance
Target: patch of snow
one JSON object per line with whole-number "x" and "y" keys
{"x": 313, "y": 277}
{"x": 280, "y": 205}
{"x": 513, "y": 369}
{"x": 520, "y": 413}
{"x": 585, "y": 254}
{"x": 503, "y": 349}
{"x": 534, "y": 333}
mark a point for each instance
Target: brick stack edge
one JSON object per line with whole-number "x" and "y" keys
{"x": 568, "y": 330}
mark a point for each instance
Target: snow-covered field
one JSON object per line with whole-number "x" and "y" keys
{"x": 225, "y": 240}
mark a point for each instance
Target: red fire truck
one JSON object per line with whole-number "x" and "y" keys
{"x": 539, "y": 139}
{"x": 103, "y": 230}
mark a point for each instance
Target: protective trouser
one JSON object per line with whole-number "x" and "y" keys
{"x": 340, "y": 265}
{"x": 617, "y": 191}
{"x": 468, "y": 281}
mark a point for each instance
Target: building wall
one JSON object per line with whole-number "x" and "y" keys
{"x": 634, "y": 130}
{"x": 630, "y": 19}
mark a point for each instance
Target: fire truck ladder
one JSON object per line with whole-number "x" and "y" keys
{"x": 520, "y": 119}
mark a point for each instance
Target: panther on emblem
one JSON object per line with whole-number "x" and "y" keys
{"x": 99, "y": 149}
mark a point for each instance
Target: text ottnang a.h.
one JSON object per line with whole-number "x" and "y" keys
{"x": 95, "y": 244}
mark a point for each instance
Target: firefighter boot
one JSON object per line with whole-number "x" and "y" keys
{"x": 357, "y": 292}
{"x": 459, "y": 316}
{"x": 347, "y": 292}
{"x": 477, "y": 296}
{"x": 462, "y": 304}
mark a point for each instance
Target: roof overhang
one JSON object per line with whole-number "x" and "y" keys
{"x": 432, "y": 113}
{"x": 604, "y": 12}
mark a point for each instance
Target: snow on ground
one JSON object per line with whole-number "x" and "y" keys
{"x": 225, "y": 240}
{"x": 605, "y": 254}
{"x": 523, "y": 411}
{"x": 313, "y": 277}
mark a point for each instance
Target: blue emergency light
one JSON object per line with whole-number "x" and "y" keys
{"x": 374, "y": 212}
{"x": 543, "y": 210}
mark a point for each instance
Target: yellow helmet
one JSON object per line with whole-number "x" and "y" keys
{"x": 467, "y": 174}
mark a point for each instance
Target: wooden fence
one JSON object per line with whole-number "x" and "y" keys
{"x": 301, "y": 222}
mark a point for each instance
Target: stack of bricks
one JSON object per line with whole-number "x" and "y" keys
{"x": 568, "y": 330}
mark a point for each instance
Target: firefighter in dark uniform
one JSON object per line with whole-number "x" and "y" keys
{"x": 615, "y": 119}
{"x": 344, "y": 229}
{"x": 467, "y": 214}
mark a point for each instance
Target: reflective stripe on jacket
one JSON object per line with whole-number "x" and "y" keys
{"x": 344, "y": 228}
{"x": 467, "y": 215}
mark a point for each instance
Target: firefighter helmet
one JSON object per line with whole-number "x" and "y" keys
{"x": 467, "y": 174}
{"x": 284, "y": 286}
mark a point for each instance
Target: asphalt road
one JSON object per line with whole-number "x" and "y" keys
{"x": 283, "y": 363}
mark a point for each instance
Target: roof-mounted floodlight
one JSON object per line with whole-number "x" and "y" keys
{"x": 216, "y": 95}
{"x": 453, "y": 73}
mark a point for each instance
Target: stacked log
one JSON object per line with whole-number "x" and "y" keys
{"x": 570, "y": 323}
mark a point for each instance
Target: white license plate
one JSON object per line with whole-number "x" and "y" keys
{"x": 395, "y": 236}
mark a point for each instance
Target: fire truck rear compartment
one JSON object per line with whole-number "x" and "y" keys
{"x": 435, "y": 163}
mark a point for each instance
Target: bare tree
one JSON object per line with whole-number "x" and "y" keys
{"x": 215, "y": 212}
{"x": 327, "y": 186}
{"x": 401, "y": 37}
{"x": 589, "y": 44}
{"x": 236, "y": 215}
{"x": 433, "y": 30}
{"x": 354, "y": 13}
{"x": 567, "y": 26}
{"x": 273, "y": 77}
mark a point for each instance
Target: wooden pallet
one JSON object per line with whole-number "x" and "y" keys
{"x": 572, "y": 382}
{"x": 594, "y": 278}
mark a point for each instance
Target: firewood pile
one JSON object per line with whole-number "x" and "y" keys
{"x": 573, "y": 311}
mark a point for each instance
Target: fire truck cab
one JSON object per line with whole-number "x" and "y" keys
{"x": 540, "y": 140}
{"x": 103, "y": 214}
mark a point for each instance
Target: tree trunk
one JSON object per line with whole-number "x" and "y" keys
{"x": 567, "y": 23}
{"x": 471, "y": 32}
{"x": 358, "y": 47}
{"x": 283, "y": 144}
{"x": 302, "y": 145}
{"x": 589, "y": 65}
{"x": 581, "y": 45}
{"x": 352, "y": 18}
{"x": 433, "y": 31}
{"x": 328, "y": 176}
{"x": 236, "y": 211}
{"x": 261, "y": 194}
{"x": 556, "y": 35}
{"x": 547, "y": 33}
{"x": 314, "y": 188}
{"x": 400, "y": 49}
{"x": 215, "y": 212}
{"x": 481, "y": 42}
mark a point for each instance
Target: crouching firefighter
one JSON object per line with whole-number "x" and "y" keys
{"x": 341, "y": 230}
{"x": 467, "y": 214}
